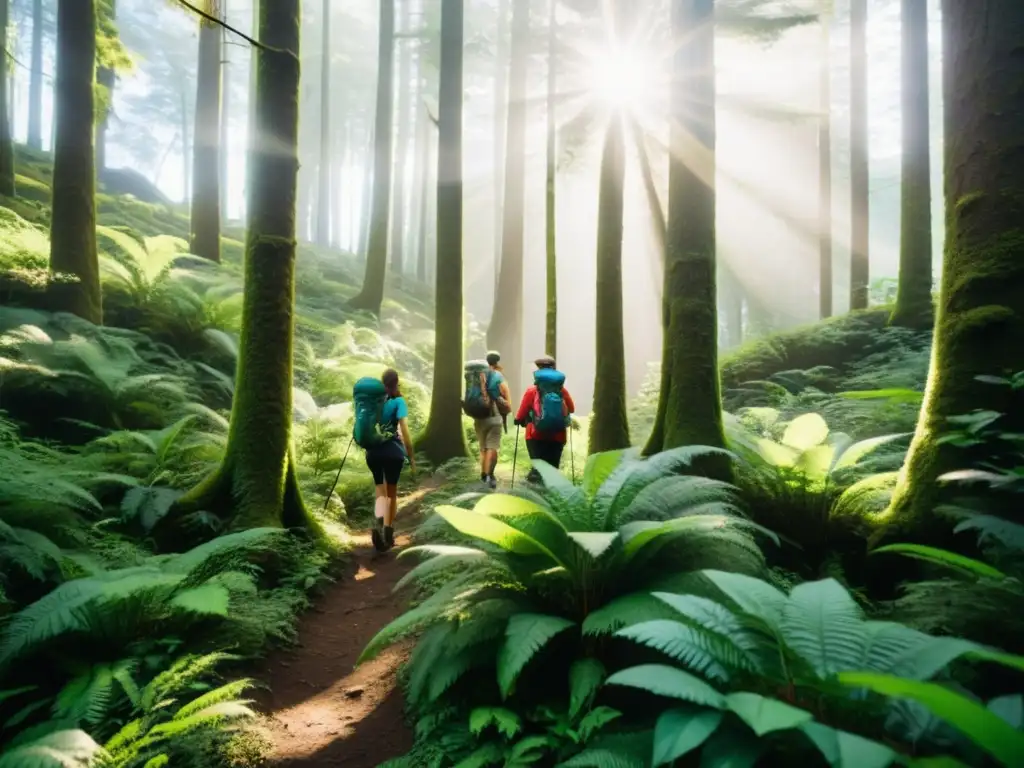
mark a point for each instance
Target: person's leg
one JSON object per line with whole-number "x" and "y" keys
{"x": 481, "y": 439}
{"x": 392, "y": 473}
{"x": 380, "y": 501}
{"x": 493, "y": 446}
{"x": 532, "y": 449}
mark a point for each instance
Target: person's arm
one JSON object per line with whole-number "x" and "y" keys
{"x": 506, "y": 395}
{"x": 525, "y": 406}
{"x": 569, "y": 404}
{"x": 403, "y": 427}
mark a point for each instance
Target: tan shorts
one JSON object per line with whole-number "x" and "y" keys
{"x": 488, "y": 434}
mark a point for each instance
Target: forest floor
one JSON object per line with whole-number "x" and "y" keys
{"x": 323, "y": 711}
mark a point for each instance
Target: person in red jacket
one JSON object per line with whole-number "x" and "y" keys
{"x": 544, "y": 446}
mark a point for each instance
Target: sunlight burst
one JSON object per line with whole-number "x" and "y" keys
{"x": 622, "y": 77}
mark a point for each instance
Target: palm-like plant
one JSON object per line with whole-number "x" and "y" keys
{"x": 547, "y": 574}
{"x": 779, "y": 658}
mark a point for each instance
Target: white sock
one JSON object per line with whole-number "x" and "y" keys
{"x": 380, "y": 509}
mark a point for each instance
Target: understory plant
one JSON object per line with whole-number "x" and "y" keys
{"x": 522, "y": 620}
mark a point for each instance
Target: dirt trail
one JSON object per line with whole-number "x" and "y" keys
{"x": 321, "y": 711}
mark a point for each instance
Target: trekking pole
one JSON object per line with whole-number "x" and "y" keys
{"x": 572, "y": 457}
{"x": 515, "y": 455}
{"x": 338, "y": 476}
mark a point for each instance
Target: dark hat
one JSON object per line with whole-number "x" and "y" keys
{"x": 493, "y": 358}
{"x": 545, "y": 361}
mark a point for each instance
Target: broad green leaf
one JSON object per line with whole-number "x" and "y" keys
{"x": 805, "y": 432}
{"x": 625, "y": 610}
{"x": 854, "y": 453}
{"x": 65, "y": 748}
{"x": 712, "y": 655}
{"x": 638, "y": 535}
{"x": 444, "y": 556}
{"x": 1009, "y": 708}
{"x": 209, "y": 599}
{"x": 943, "y": 557}
{"x": 597, "y": 469}
{"x": 595, "y": 544}
{"x": 525, "y": 635}
{"x": 671, "y": 682}
{"x": 776, "y": 454}
{"x": 680, "y": 731}
{"x": 753, "y": 596}
{"x": 585, "y": 677}
{"x": 823, "y": 624}
{"x": 847, "y": 750}
{"x": 731, "y": 746}
{"x": 478, "y": 526}
{"x": 712, "y": 616}
{"x": 506, "y": 721}
{"x": 984, "y": 728}
{"x": 814, "y": 463}
{"x": 998, "y": 657}
{"x": 765, "y": 715}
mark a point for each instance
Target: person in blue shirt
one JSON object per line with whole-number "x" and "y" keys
{"x": 387, "y": 460}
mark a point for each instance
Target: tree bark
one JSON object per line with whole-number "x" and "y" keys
{"x": 35, "y": 82}
{"x": 979, "y": 326}
{"x": 609, "y": 426}
{"x": 859, "y": 171}
{"x": 693, "y": 412}
{"x": 914, "y": 290}
{"x": 505, "y": 331}
{"x": 825, "y": 172}
{"x": 372, "y": 293}
{"x": 6, "y": 143}
{"x": 398, "y": 203}
{"x": 205, "y": 224}
{"x": 73, "y": 218}
{"x": 324, "y": 202}
{"x": 256, "y": 482}
{"x": 501, "y": 73}
{"x": 444, "y": 438}
{"x": 551, "y": 240}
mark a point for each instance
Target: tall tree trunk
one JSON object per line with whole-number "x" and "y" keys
{"x": 859, "y": 171}
{"x": 505, "y": 332}
{"x": 551, "y": 314}
{"x": 402, "y": 85}
{"x": 609, "y": 426}
{"x": 106, "y": 79}
{"x": 365, "y": 194}
{"x": 693, "y": 412}
{"x": 324, "y": 202}
{"x": 256, "y": 482}
{"x": 6, "y": 144}
{"x": 341, "y": 205}
{"x": 205, "y": 225}
{"x": 251, "y": 124}
{"x": 914, "y": 290}
{"x": 225, "y": 120}
{"x": 73, "y": 218}
{"x": 979, "y": 326}
{"x": 825, "y": 171}
{"x": 501, "y": 73}
{"x": 372, "y": 294}
{"x": 427, "y": 192}
{"x": 420, "y": 186}
{"x": 35, "y": 83}
{"x": 444, "y": 437}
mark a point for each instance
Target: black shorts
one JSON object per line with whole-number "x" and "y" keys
{"x": 385, "y": 469}
{"x": 546, "y": 450}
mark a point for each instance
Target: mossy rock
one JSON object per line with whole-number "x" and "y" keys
{"x": 755, "y": 394}
{"x": 30, "y": 189}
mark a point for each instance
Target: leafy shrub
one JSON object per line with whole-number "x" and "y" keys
{"x": 550, "y": 574}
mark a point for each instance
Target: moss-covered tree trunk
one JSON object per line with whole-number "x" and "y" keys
{"x": 979, "y": 325}
{"x": 693, "y": 406}
{"x": 609, "y": 426}
{"x": 372, "y": 293}
{"x": 256, "y": 483}
{"x": 551, "y": 240}
{"x": 505, "y": 331}
{"x": 205, "y": 224}
{"x": 860, "y": 234}
{"x": 35, "y": 80}
{"x": 73, "y": 218}
{"x": 6, "y": 145}
{"x": 914, "y": 291}
{"x": 825, "y": 169}
{"x": 324, "y": 204}
{"x": 443, "y": 438}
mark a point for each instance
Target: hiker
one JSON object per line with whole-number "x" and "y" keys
{"x": 488, "y": 402}
{"x": 382, "y": 429}
{"x": 545, "y": 411}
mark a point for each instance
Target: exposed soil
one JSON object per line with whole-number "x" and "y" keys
{"x": 321, "y": 711}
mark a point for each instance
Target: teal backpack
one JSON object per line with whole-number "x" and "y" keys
{"x": 368, "y": 397}
{"x": 481, "y": 391}
{"x": 549, "y": 414}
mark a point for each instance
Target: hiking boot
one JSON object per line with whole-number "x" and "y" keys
{"x": 377, "y": 535}
{"x": 492, "y": 482}
{"x": 389, "y": 537}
